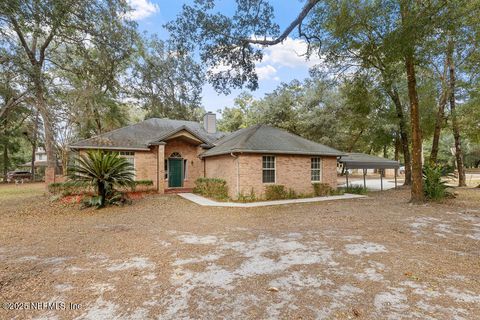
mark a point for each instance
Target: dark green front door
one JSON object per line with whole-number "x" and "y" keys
{"x": 175, "y": 173}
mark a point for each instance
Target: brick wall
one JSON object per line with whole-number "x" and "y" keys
{"x": 292, "y": 171}
{"x": 146, "y": 165}
{"x": 329, "y": 171}
{"x": 161, "y": 169}
{"x": 224, "y": 167}
{"x": 189, "y": 152}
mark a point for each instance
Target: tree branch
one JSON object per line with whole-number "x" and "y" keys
{"x": 306, "y": 9}
{"x": 45, "y": 45}
{"x": 30, "y": 54}
{"x": 12, "y": 102}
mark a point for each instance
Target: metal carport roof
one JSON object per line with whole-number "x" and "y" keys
{"x": 366, "y": 161}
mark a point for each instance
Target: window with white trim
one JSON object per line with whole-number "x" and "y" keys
{"x": 268, "y": 169}
{"x": 316, "y": 169}
{"x": 129, "y": 156}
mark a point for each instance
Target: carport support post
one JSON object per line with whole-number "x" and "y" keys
{"x": 364, "y": 182}
{"x": 381, "y": 179}
{"x": 346, "y": 175}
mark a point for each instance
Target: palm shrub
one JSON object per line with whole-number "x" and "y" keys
{"x": 433, "y": 186}
{"x": 104, "y": 171}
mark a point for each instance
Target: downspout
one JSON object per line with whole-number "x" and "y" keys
{"x": 238, "y": 172}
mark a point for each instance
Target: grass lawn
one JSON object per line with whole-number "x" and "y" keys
{"x": 21, "y": 191}
{"x": 164, "y": 257}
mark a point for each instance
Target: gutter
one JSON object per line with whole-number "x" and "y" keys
{"x": 108, "y": 148}
{"x": 299, "y": 153}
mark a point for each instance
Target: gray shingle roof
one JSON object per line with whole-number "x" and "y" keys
{"x": 266, "y": 139}
{"x": 139, "y": 136}
{"x": 367, "y": 161}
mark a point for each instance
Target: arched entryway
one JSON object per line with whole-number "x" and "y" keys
{"x": 175, "y": 170}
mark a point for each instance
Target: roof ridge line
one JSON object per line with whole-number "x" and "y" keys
{"x": 104, "y": 133}
{"x": 254, "y": 128}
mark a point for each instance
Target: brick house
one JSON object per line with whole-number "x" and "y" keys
{"x": 174, "y": 153}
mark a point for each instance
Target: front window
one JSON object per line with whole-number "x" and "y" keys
{"x": 268, "y": 174}
{"x": 316, "y": 169}
{"x": 129, "y": 156}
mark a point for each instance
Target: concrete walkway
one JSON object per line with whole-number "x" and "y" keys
{"x": 212, "y": 203}
{"x": 372, "y": 184}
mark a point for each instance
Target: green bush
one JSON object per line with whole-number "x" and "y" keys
{"x": 275, "y": 192}
{"x": 354, "y": 190}
{"x": 322, "y": 189}
{"x": 251, "y": 197}
{"x": 211, "y": 187}
{"x": 113, "y": 197}
{"x": 292, "y": 194}
{"x": 143, "y": 183}
{"x": 433, "y": 186}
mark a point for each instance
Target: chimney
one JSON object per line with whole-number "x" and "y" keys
{"x": 210, "y": 122}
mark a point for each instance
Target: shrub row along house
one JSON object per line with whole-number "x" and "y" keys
{"x": 174, "y": 153}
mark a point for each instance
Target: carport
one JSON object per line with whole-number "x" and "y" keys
{"x": 366, "y": 161}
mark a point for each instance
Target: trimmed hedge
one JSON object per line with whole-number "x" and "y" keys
{"x": 72, "y": 187}
{"x": 212, "y": 188}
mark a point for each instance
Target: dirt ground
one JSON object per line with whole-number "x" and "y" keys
{"x": 164, "y": 257}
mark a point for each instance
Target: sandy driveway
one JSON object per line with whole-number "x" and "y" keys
{"x": 166, "y": 258}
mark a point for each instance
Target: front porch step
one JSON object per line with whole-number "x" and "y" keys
{"x": 178, "y": 190}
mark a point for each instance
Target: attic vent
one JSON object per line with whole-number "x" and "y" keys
{"x": 210, "y": 122}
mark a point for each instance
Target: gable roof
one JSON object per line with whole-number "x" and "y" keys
{"x": 266, "y": 139}
{"x": 146, "y": 133}
{"x": 367, "y": 161}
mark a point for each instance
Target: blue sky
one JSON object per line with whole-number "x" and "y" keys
{"x": 281, "y": 63}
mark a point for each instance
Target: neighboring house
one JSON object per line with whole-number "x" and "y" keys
{"x": 40, "y": 162}
{"x": 40, "y": 159}
{"x": 174, "y": 153}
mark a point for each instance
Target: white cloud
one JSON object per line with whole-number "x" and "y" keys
{"x": 290, "y": 53}
{"x": 265, "y": 72}
{"x": 142, "y": 9}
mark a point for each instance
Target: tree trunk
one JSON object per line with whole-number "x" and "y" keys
{"x": 402, "y": 124}
{"x": 455, "y": 126}
{"x": 34, "y": 145}
{"x": 5, "y": 156}
{"x": 417, "y": 195}
{"x": 102, "y": 193}
{"x": 438, "y": 126}
{"x": 397, "y": 148}
{"x": 48, "y": 127}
